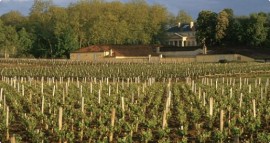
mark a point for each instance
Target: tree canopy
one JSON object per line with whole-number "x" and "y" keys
{"x": 224, "y": 28}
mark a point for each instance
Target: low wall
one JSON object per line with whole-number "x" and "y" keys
{"x": 181, "y": 53}
{"x": 98, "y": 57}
{"x": 227, "y": 57}
{"x": 178, "y": 60}
{"x": 86, "y": 56}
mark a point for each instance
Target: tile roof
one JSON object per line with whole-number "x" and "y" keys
{"x": 121, "y": 50}
{"x": 183, "y": 28}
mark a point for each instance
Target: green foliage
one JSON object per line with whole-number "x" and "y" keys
{"x": 222, "y": 25}
{"x": 181, "y": 17}
{"x": 25, "y": 43}
{"x": 206, "y": 27}
{"x": 224, "y": 28}
{"x": 257, "y": 29}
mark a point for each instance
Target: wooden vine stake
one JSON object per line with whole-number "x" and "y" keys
{"x": 164, "y": 120}
{"x": 240, "y": 83}
{"x": 81, "y": 91}
{"x": 231, "y": 92}
{"x": 82, "y": 104}
{"x": 12, "y": 139}
{"x": 66, "y": 89}
{"x": 123, "y": 104}
{"x": 112, "y": 124}
{"x": 211, "y": 106}
{"x": 254, "y": 107}
{"x": 42, "y": 105}
{"x": 221, "y": 120}
{"x": 7, "y": 123}
{"x": 99, "y": 94}
{"x": 60, "y": 118}
{"x": 1, "y": 94}
{"x": 53, "y": 91}
{"x": 204, "y": 102}
{"x": 216, "y": 84}
{"x": 240, "y": 103}
{"x": 42, "y": 86}
{"x": 167, "y": 107}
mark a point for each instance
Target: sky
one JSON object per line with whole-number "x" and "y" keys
{"x": 192, "y": 7}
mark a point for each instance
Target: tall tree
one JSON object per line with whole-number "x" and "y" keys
{"x": 14, "y": 18}
{"x": 206, "y": 27}
{"x": 10, "y": 41}
{"x": 25, "y": 43}
{"x": 257, "y": 29}
{"x": 2, "y": 36}
{"x": 222, "y": 25}
{"x": 66, "y": 43}
{"x": 183, "y": 17}
{"x": 39, "y": 25}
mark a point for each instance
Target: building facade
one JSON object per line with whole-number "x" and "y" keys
{"x": 182, "y": 35}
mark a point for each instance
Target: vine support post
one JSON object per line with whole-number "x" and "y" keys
{"x": 204, "y": 102}
{"x": 12, "y": 139}
{"x": 254, "y": 107}
{"x": 164, "y": 120}
{"x": 7, "y": 123}
{"x": 240, "y": 103}
{"x": 42, "y": 79}
{"x": 1, "y": 94}
{"x": 221, "y": 120}
{"x": 81, "y": 91}
{"x": 60, "y": 118}
{"x": 123, "y": 104}
{"x": 82, "y": 104}
{"x": 112, "y": 124}
{"x": 22, "y": 90}
{"x": 211, "y": 106}
{"x": 42, "y": 105}
{"x": 53, "y": 91}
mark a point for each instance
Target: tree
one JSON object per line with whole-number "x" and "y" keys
{"x": 67, "y": 42}
{"x": 183, "y": 17}
{"x": 25, "y": 43}
{"x": 206, "y": 27}
{"x": 39, "y": 25}
{"x": 233, "y": 32}
{"x": 9, "y": 40}
{"x": 13, "y": 18}
{"x": 2, "y": 35}
{"x": 257, "y": 29}
{"x": 222, "y": 25}
{"x": 40, "y": 6}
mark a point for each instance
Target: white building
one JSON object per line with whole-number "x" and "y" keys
{"x": 182, "y": 35}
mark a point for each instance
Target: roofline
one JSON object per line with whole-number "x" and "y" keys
{"x": 179, "y": 35}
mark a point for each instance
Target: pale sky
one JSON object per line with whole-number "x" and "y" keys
{"x": 192, "y": 7}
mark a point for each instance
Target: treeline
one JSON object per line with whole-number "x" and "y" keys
{"x": 224, "y": 28}
{"x": 51, "y": 31}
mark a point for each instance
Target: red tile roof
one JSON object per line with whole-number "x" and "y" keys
{"x": 121, "y": 50}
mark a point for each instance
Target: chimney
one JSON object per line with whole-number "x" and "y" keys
{"x": 179, "y": 24}
{"x": 191, "y": 24}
